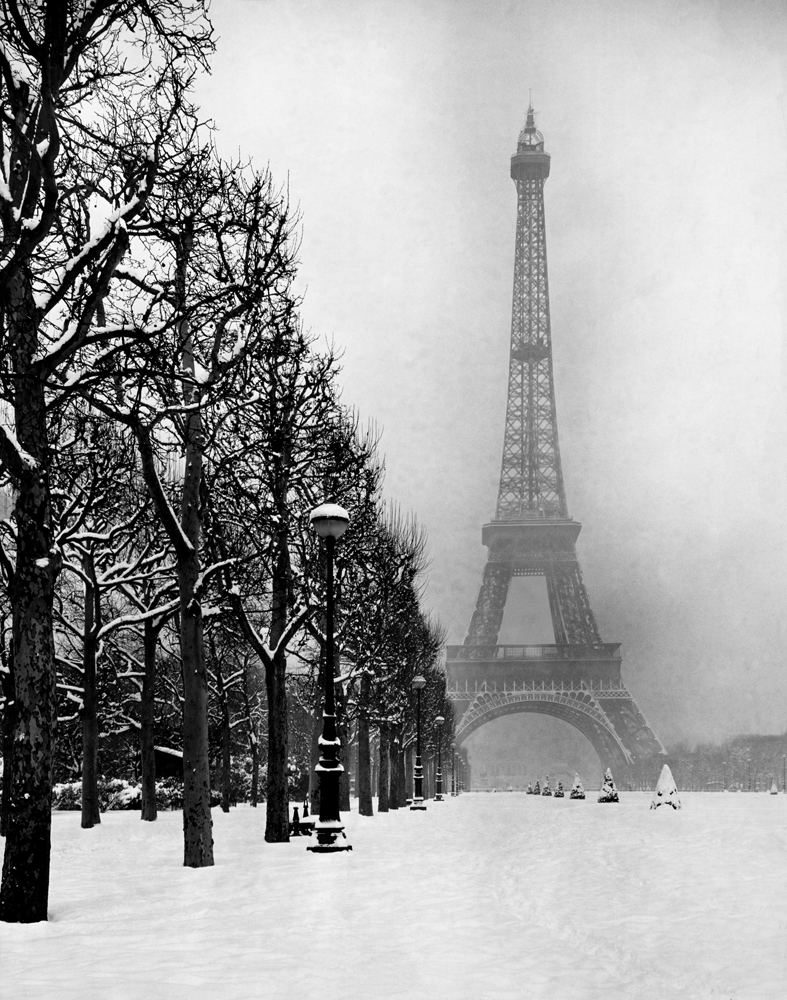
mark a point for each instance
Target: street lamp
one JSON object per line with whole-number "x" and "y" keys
{"x": 329, "y": 521}
{"x": 438, "y": 795}
{"x": 418, "y": 772}
{"x": 453, "y": 769}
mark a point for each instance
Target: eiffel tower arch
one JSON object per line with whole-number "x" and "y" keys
{"x": 567, "y": 672}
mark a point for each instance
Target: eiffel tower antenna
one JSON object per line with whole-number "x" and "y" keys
{"x": 576, "y": 677}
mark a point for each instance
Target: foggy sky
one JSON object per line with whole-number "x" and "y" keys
{"x": 666, "y": 208}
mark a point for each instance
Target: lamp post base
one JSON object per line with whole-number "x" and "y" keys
{"x": 330, "y": 837}
{"x": 419, "y": 805}
{"x": 438, "y": 797}
{"x": 328, "y": 848}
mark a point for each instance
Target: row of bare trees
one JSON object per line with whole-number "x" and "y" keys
{"x": 166, "y": 427}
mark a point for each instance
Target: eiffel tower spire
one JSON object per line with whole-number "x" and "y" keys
{"x": 531, "y": 478}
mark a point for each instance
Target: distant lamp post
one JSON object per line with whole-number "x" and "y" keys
{"x": 438, "y": 795}
{"x": 329, "y": 521}
{"x": 419, "y": 682}
{"x": 453, "y": 769}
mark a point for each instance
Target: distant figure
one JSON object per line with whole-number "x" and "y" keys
{"x": 608, "y": 791}
{"x": 577, "y": 791}
{"x": 666, "y": 793}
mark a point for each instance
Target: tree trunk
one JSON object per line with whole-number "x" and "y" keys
{"x": 254, "y": 750}
{"x": 185, "y": 537}
{"x": 402, "y": 784}
{"x": 277, "y": 809}
{"x": 226, "y": 759}
{"x": 364, "y": 757}
{"x": 345, "y": 747}
{"x": 147, "y": 710}
{"x": 226, "y": 762}
{"x": 314, "y": 781}
{"x": 91, "y": 813}
{"x": 25, "y": 885}
{"x": 197, "y": 821}
{"x": 225, "y": 731}
{"x": 393, "y": 794}
{"x": 384, "y": 768}
{"x": 7, "y": 688}
{"x": 277, "y": 817}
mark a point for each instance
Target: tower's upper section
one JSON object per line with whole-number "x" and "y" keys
{"x": 531, "y": 478}
{"x": 530, "y": 160}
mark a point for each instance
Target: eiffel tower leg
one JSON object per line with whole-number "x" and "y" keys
{"x": 488, "y": 615}
{"x": 568, "y": 597}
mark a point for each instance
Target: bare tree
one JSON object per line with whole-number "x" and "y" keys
{"x": 69, "y": 72}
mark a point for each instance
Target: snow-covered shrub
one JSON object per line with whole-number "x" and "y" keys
{"x": 537, "y": 788}
{"x": 546, "y": 790}
{"x": 608, "y": 791}
{"x": 529, "y": 789}
{"x": 67, "y": 795}
{"x": 666, "y": 793}
{"x": 116, "y": 793}
{"x": 559, "y": 793}
{"x": 577, "y": 791}
{"x": 169, "y": 793}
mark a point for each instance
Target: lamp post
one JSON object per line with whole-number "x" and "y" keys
{"x": 453, "y": 769}
{"x": 784, "y": 772}
{"x": 418, "y": 772}
{"x": 438, "y": 795}
{"x": 329, "y": 521}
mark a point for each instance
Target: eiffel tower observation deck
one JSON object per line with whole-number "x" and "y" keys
{"x": 551, "y": 658}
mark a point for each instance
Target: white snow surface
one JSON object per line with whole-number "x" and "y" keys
{"x": 481, "y": 897}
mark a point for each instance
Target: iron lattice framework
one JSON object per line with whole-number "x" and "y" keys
{"x": 577, "y": 678}
{"x": 531, "y": 479}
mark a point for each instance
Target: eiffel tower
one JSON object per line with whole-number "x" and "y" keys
{"x": 569, "y": 672}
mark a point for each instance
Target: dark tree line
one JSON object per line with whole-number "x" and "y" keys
{"x": 166, "y": 426}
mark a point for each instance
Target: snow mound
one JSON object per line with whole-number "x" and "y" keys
{"x": 666, "y": 793}
{"x": 608, "y": 791}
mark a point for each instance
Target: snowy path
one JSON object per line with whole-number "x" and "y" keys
{"x": 482, "y": 897}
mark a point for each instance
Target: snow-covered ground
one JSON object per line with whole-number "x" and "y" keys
{"x": 481, "y": 897}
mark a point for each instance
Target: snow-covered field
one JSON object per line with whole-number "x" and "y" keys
{"x": 481, "y": 897}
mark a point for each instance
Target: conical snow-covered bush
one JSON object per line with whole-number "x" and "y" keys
{"x": 774, "y": 789}
{"x": 546, "y": 790}
{"x": 559, "y": 793}
{"x": 608, "y": 791}
{"x": 577, "y": 791}
{"x": 666, "y": 793}
{"x": 537, "y": 789}
{"x": 529, "y": 789}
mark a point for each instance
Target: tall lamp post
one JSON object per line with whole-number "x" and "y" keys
{"x": 453, "y": 769}
{"x": 438, "y": 794}
{"x": 329, "y": 520}
{"x": 418, "y": 772}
